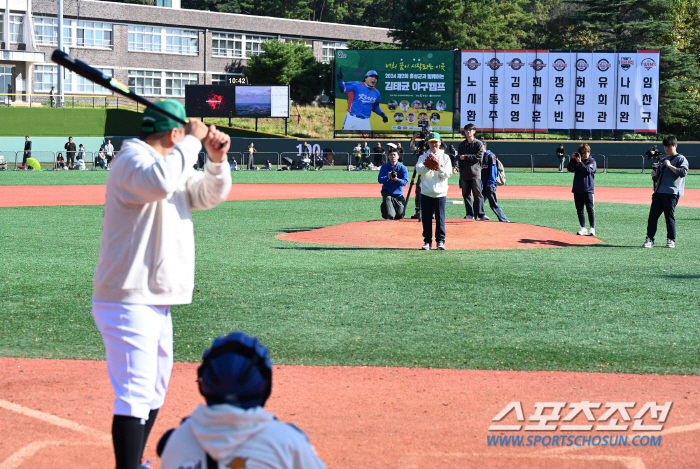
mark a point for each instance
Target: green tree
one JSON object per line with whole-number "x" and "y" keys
{"x": 289, "y": 63}
{"x": 371, "y": 45}
{"x": 446, "y": 24}
{"x": 431, "y": 24}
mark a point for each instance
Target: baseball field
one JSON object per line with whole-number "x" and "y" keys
{"x": 388, "y": 356}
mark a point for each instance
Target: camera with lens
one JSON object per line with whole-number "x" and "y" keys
{"x": 392, "y": 174}
{"x": 653, "y": 154}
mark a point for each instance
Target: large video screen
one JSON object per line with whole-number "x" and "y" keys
{"x": 236, "y": 101}
{"x": 210, "y": 100}
{"x": 408, "y": 87}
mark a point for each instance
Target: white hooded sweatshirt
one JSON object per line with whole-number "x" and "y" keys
{"x": 147, "y": 247}
{"x": 237, "y": 438}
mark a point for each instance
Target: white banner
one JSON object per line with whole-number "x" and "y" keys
{"x": 471, "y": 99}
{"x": 536, "y": 89}
{"x": 526, "y": 91}
{"x": 517, "y": 110}
{"x": 560, "y": 99}
{"x": 603, "y": 74}
{"x": 494, "y": 90}
{"x": 648, "y": 91}
{"x": 626, "y": 85}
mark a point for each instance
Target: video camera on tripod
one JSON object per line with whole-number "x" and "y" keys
{"x": 421, "y": 138}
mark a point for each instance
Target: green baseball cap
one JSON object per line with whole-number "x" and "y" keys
{"x": 153, "y": 121}
{"x": 434, "y": 137}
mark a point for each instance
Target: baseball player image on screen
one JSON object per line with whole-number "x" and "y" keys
{"x": 146, "y": 262}
{"x": 232, "y": 430}
{"x": 363, "y": 99}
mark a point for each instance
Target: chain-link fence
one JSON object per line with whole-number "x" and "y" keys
{"x": 8, "y": 160}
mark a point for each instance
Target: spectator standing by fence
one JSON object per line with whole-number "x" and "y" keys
{"x": 27, "y": 150}
{"x": 109, "y": 152}
{"x": 561, "y": 154}
{"x": 251, "y": 151}
{"x": 378, "y": 154}
{"x": 52, "y": 96}
{"x": 70, "y": 153}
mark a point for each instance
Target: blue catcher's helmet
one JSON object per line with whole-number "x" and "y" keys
{"x": 371, "y": 73}
{"x": 235, "y": 370}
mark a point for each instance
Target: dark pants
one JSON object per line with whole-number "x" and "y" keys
{"x": 666, "y": 204}
{"x": 70, "y": 158}
{"x": 469, "y": 187}
{"x": 428, "y": 207}
{"x": 109, "y": 158}
{"x": 392, "y": 206}
{"x": 417, "y": 197}
{"x": 489, "y": 193}
{"x": 357, "y": 160}
{"x": 582, "y": 199}
{"x": 27, "y": 154}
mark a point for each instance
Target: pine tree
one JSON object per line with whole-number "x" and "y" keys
{"x": 431, "y": 24}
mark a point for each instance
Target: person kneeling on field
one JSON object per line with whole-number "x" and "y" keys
{"x": 393, "y": 176}
{"x": 232, "y": 429}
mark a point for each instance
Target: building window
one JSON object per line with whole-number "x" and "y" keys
{"x": 168, "y": 40}
{"x": 145, "y": 82}
{"x": 2, "y": 26}
{"x": 227, "y": 45}
{"x": 181, "y": 41}
{"x": 175, "y": 82}
{"x": 46, "y": 30}
{"x": 144, "y": 39}
{"x": 329, "y": 49}
{"x": 16, "y": 28}
{"x": 45, "y": 76}
{"x": 253, "y": 45}
{"x": 92, "y": 34}
{"x": 83, "y": 85}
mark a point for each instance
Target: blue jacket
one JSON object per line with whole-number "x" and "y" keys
{"x": 389, "y": 185}
{"x": 584, "y": 175}
{"x": 489, "y": 170}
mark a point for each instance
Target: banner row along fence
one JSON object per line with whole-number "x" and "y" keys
{"x": 49, "y": 160}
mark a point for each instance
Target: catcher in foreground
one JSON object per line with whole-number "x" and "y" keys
{"x": 435, "y": 169}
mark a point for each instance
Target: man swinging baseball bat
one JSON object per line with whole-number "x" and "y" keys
{"x": 146, "y": 261}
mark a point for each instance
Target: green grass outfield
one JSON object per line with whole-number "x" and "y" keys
{"x": 612, "y": 307}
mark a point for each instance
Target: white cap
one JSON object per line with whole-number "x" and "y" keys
{"x": 392, "y": 146}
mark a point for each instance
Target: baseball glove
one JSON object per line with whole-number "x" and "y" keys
{"x": 432, "y": 163}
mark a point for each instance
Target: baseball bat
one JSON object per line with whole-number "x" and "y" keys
{"x": 84, "y": 70}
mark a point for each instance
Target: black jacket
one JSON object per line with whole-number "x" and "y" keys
{"x": 470, "y": 167}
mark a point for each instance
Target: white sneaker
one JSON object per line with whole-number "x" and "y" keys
{"x": 582, "y": 232}
{"x": 441, "y": 245}
{"x": 591, "y": 232}
{"x": 648, "y": 243}
{"x": 426, "y": 247}
{"x": 670, "y": 243}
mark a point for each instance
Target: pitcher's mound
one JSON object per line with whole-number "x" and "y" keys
{"x": 461, "y": 234}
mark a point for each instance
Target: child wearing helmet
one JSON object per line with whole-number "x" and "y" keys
{"x": 232, "y": 429}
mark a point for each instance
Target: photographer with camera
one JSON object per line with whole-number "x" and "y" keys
{"x": 393, "y": 176}
{"x": 669, "y": 182}
{"x": 584, "y": 167}
{"x": 471, "y": 153}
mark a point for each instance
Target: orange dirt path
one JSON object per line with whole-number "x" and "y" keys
{"x": 39, "y": 196}
{"x": 461, "y": 234}
{"x": 57, "y": 413}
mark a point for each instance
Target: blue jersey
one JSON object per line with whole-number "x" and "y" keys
{"x": 362, "y": 100}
